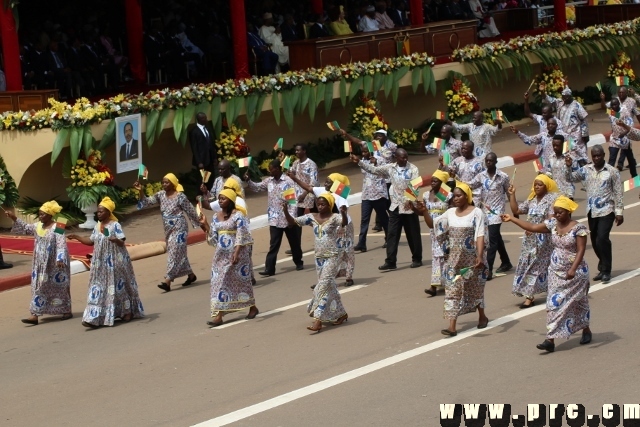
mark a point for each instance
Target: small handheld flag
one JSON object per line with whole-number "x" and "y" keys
{"x": 513, "y": 176}
{"x": 206, "y": 177}
{"x": 497, "y": 115}
{"x": 416, "y": 183}
{"x": 622, "y": 81}
{"x": 429, "y": 130}
{"x": 143, "y": 172}
{"x": 279, "y": 144}
{"x": 370, "y": 147}
{"x": 440, "y": 115}
{"x": 199, "y": 207}
{"x": 347, "y": 147}
{"x": 286, "y": 163}
{"x": 569, "y": 144}
{"x": 463, "y": 273}
{"x": 599, "y": 86}
{"x": 612, "y": 113}
{"x": 439, "y": 143}
{"x": 376, "y": 145}
{"x": 290, "y": 196}
{"x": 244, "y": 163}
{"x": 632, "y": 183}
{"x": 410, "y": 195}
{"x": 104, "y": 230}
{"x": 333, "y": 125}
{"x": 340, "y": 189}
{"x": 537, "y": 165}
{"x": 61, "y": 225}
{"x": 532, "y": 83}
{"x": 446, "y": 158}
{"x": 443, "y": 192}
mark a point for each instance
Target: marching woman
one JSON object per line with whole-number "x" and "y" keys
{"x": 567, "y": 301}
{"x": 50, "y": 272}
{"x": 461, "y": 231}
{"x": 326, "y": 305}
{"x": 531, "y": 273}
{"x": 231, "y": 288}
{"x": 113, "y": 291}
{"x": 173, "y": 206}
{"x": 434, "y": 207}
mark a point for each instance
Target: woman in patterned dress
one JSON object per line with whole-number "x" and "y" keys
{"x": 461, "y": 232}
{"x": 231, "y": 288}
{"x": 434, "y": 207}
{"x": 532, "y": 270}
{"x": 50, "y": 273}
{"x": 567, "y": 300}
{"x": 326, "y": 305}
{"x": 113, "y": 291}
{"x": 173, "y": 206}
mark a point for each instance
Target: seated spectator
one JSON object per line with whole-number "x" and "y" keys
{"x": 116, "y": 57}
{"x": 368, "y": 21}
{"x": 339, "y": 25}
{"x": 218, "y": 46}
{"x": 58, "y": 69}
{"x": 398, "y": 14}
{"x": 487, "y": 27}
{"x": 355, "y": 15}
{"x": 156, "y": 51}
{"x": 318, "y": 29}
{"x": 384, "y": 22}
{"x": 289, "y": 29}
{"x": 267, "y": 59}
{"x": 272, "y": 36}
{"x": 429, "y": 11}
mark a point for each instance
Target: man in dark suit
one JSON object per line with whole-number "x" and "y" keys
{"x": 289, "y": 29}
{"x": 398, "y": 14}
{"x": 318, "y": 29}
{"x": 202, "y": 147}
{"x": 264, "y": 55}
{"x": 57, "y": 66}
{"x": 128, "y": 150}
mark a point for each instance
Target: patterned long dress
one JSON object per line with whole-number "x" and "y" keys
{"x": 567, "y": 301}
{"x": 50, "y": 292}
{"x": 532, "y": 270}
{"x": 326, "y": 304}
{"x": 231, "y": 288}
{"x": 175, "y": 229}
{"x": 348, "y": 255}
{"x": 436, "y": 209}
{"x": 464, "y": 285}
{"x": 113, "y": 290}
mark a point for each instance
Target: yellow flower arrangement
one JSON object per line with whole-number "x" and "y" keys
{"x": 367, "y": 119}
{"x": 230, "y": 144}
{"x": 552, "y": 79}
{"x": 404, "y": 136}
{"x": 460, "y": 100}
{"x": 621, "y": 67}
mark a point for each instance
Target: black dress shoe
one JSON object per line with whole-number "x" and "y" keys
{"x": 546, "y": 345}
{"x": 377, "y": 228}
{"x": 489, "y": 277}
{"x": 299, "y": 267}
{"x": 598, "y": 276}
{"x": 4, "y": 265}
{"x": 431, "y": 292}
{"x": 265, "y": 273}
{"x": 385, "y": 245}
{"x": 586, "y": 338}
{"x": 387, "y": 266}
{"x": 416, "y": 264}
{"x": 360, "y": 249}
{"x": 504, "y": 268}
{"x": 606, "y": 278}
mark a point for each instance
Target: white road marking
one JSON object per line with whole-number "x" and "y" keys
{"x": 269, "y": 404}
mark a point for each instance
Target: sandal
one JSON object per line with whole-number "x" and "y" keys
{"x": 127, "y": 318}
{"x": 214, "y": 324}
{"x": 190, "y": 281}
{"x": 89, "y": 325}
{"x": 250, "y": 316}
{"x": 431, "y": 292}
{"x": 449, "y": 333}
{"x": 483, "y": 325}
{"x": 341, "y": 319}
{"x": 66, "y": 316}
{"x": 30, "y": 321}
{"x": 164, "y": 287}
{"x": 531, "y": 303}
{"x": 349, "y": 282}
{"x": 316, "y": 327}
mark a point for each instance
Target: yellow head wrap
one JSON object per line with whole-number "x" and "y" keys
{"x": 441, "y": 175}
{"x": 234, "y": 185}
{"x": 565, "y": 203}
{"x": 464, "y": 187}
{"x": 231, "y": 195}
{"x": 174, "y": 180}
{"x": 51, "y": 208}
{"x": 108, "y": 204}
{"x": 551, "y": 185}
{"x": 330, "y": 199}
{"x": 340, "y": 178}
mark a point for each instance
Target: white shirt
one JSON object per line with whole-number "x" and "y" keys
{"x": 368, "y": 24}
{"x": 203, "y": 129}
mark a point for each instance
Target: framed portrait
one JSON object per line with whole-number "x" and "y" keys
{"x": 128, "y": 143}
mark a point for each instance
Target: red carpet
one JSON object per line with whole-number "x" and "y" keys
{"x": 23, "y": 245}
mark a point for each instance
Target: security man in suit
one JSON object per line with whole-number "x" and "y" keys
{"x": 202, "y": 147}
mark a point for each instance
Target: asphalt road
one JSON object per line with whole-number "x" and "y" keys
{"x": 388, "y": 365}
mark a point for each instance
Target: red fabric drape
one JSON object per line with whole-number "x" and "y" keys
{"x": 239, "y": 37}
{"x": 559, "y": 15}
{"x": 133, "y": 12}
{"x": 317, "y": 7}
{"x": 417, "y": 17}
{"x": 10, "y": 49}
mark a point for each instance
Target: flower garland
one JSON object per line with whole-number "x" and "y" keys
{"x": 460, "y": 100}
{"x": 552, "y": 79}
{"x": 621, "y": 67}
{"x": 367, "y": 119}
{"x": 231, "y": 144}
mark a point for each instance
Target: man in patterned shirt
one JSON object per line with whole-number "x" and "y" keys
{"x": 374, "y": 198}
{"x": 480, "y": 133}
{"x": 452, "y": 145}
{"x": 540, "y": 119}
{"x": 465, "y": 167}
{"x": 493, "y": 185}
{"x": 619, "y": 141}
{"x": 307, "y": 171}
{"x": 574, "y": 120}
{"x": 400, "y": 213}
{"x": 224, "y": 173}
{"x": 543, "y": 140}
{"x": 555, "y": 167}
{"x": 604, "y": 205}
{"x": 275, "y": 185}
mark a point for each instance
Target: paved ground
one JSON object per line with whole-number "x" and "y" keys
{"x": 388, "y": 365}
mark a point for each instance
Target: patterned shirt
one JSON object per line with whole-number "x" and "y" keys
{"x": 306, "y": 172}
{"x": 556, "y": 168}
{"x": 453, "y": 147}
{"x": 481, "y": 136}
{"x": 388, "y": 154}
{"x": 573, "y": 117}
{"x": 399, "y": 177}
{"x": 544, "y": 143}
{"x": 543, "y": 123}
{"x": 604, "y": 188}
{"x": 493, "y": 194}
{"x": 466, "y": 169}
{"x": 615, "y": 140}
{"x": 373, "y": 186}
{"x": 218, "y": 186}
{"x": 275, "y": 200}
{"x": 629, "y": 104}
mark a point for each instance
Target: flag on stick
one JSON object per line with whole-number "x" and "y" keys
{"x": 61, "y": 225}
{"x": 622, "y": 81}
{"x": 199, "y": 207}
{"x": 569, "y": 144}
{"x": 439, "y": 143}
{"x": 532, "y": 83}
{"x": 612, "y": 113}
{"x": 340, "y": 189}
{"x": 462, "y": 273}
{"x": 513, "y": 176}
{"x": 290, "y": 196}
{"x": 376, "y": 145}
{"x": 440, "y": 115}
{"x": 496, "y": 115}
{"x": 446, "y": 158}
{"x": 286, "y": 163}
{"x": 416, "y": 183}
{"x": 632, "y": 183}
{"x": 429, "y": 130}
{"x": 143, "y": 172}
{"x": 599, "y": 86}
{"x": 370, "y": 147}
{"x": 206, "y": 177}
{"x": 104, "y": 230}
{"x": 244, "y": 163}
{"x": 443, "y": 192}
{"x": 347, "y": 147}
{"x": 333, "y": 125}
{"x": 410, "y": 195}
{"x": 537, "y": 165}
{"x": 279, "y": 144}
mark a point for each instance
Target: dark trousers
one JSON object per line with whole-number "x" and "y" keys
{"x": 274, "y": 246}
{"x": 624, "y": 153}
{"x": 411, "y": 225}
{"x": 496, "y": 244}
{"x": 600, "y": 228}
{"x": 388, "y": 199}
{"x": 368, "y": 206}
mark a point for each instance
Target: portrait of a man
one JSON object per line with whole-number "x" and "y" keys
{"x": 129, "y": 149}
{"x": 128, "y": 143}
